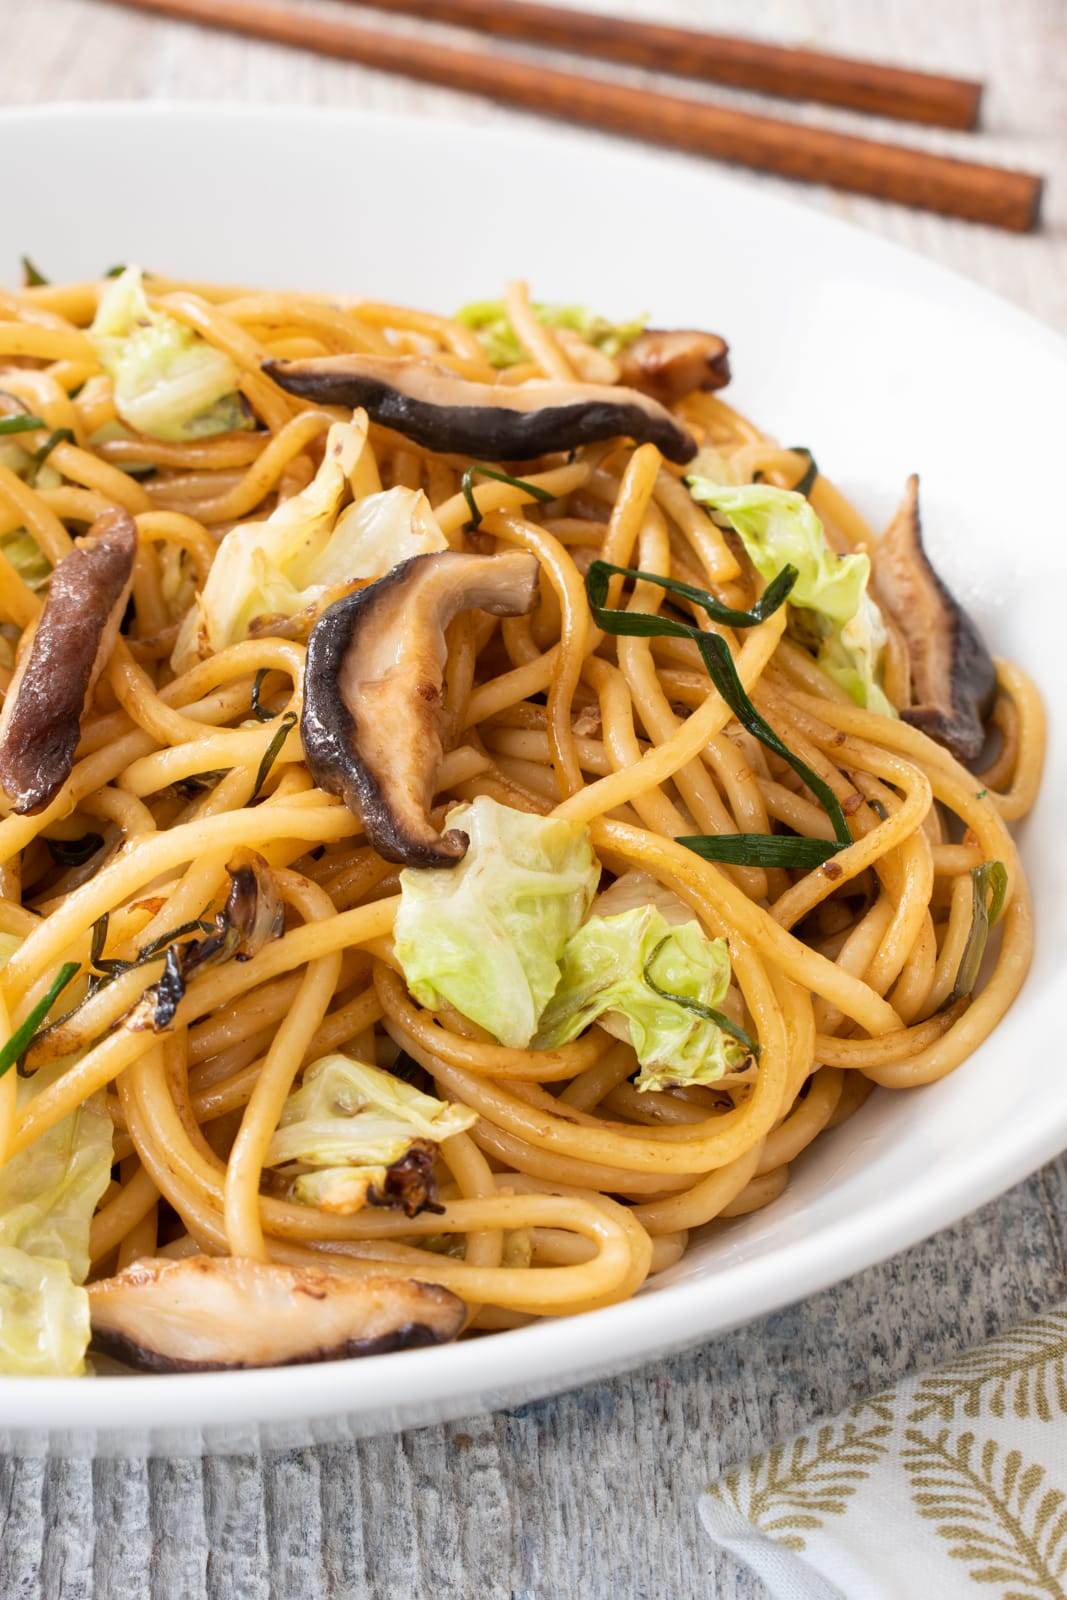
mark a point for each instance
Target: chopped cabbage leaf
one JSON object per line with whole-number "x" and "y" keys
{"x": 350, "y": 1122}
{"x": 44, "y": 1317}
{"x": 603, "y": 978}
{"x": 168, "y": 382}
{"x": 852, "y": 654}
{"x": 27, "y": 558}
{"x": 490, "y": 321}
{"x": 779, "y": 527}
{"x": 486, "y": 936}
{"x": 20, "y": 461}
{"x": 307, "y": 547}
{"x": 14, "y": 457}
{"x": 48, "y": 1193}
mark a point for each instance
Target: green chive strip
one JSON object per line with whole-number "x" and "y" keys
{"x": 23, "y": 1036}
{"x": 74, "y": 852}
{"x": 270, "y": 755}
{"x": 989, "y": 885}
{"x": 22, "y": 422}
{"x": 719, "y": 663}
{"x": 806, "y": 482}
{"x": 708, "y": 1013}
{"x": 258, "y": 711}
{"x": 96, "y": 949}
{"x": 467, "y": 486}
{"x": 114, "y": 968}
{"x": 58, "y": 436}
{"x": 32, "y": 277}
{"x": 767, "y": 604}
{"x": 760, "y": 849}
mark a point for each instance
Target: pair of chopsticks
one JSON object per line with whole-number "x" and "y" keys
{"x": 978, "y": 192}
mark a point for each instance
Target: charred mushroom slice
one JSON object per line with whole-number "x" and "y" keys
{"x": 371, "y": 722}
{"x": 669, "y": 363}
{"x": 75, "y": 634}
{"x": 495, "y": 422}
{"x": 952, "y": 673}
{"x": 208, "y": 1313}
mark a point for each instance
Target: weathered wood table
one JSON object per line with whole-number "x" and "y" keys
{"x": 592, "y": 1494}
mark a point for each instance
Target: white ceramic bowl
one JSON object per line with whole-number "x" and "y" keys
{"x": 879, "y": 361}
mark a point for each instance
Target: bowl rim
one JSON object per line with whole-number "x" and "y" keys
{"x": 557, "y": 1353}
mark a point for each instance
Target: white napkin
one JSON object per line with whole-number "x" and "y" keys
{"x": 952, "y": 1486}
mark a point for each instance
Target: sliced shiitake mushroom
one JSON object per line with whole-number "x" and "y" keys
{"x": 952, "y": 674}
{"x": 371, "y": 722}
{"x": 75, "y": 634}
{"x": 209, "y": 1313}
{"x": 669, "y": 363}
{"x": 492, "y": 422}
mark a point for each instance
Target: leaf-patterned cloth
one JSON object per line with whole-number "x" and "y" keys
{"x": 953, "y": 1484}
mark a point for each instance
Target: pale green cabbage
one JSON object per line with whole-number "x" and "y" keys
{"x": 486, "y": 936}
{"x": 48, "y": 1193}
{"x": 603, "y": 978}
{"x": 350, "y": 1122}
{"x": 778, "y": 527}
{"x": 25, "y": 555}
{"x": 14, "y": 457}
{"x": 308, "y": 545}
{"x": 44, "y": 1318}
{"x": 490, "y": 321}
{"x": 167, "y": 381}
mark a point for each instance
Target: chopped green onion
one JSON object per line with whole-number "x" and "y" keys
{"x": 258, "y": 711}
{"x": 23, "y": 422}
{"x": 156, "y": 947}
{"x": 197, "y": 782}
{"x": 57, "y": 436}
{"x": 32, "y": 277}
{"x": 115, "y": 272}
{"x": 170, "y": 990}
{"x": 597, "y": 585}
{"x": 708, "y": 1013}
{"x": 806, "y": 482}
{"x": 467, "y": 485}
{"x": 779, "y": 849}
{"x": 96, "y": 949}
{"x": 148, "y": 952}
{"x": 23, "y": 1036}
{"x": 74, "y": 852}
{"x": 270, "y": 755}
{"x": 879, "y": 810}
{"x": 989, "y": 885}
{"x": 760, "y": 849}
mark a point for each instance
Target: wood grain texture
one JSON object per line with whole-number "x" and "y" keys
{"x": 746, "y": 63}
{"x": 593, "y": 1494}
{"x": 946, "y": 184}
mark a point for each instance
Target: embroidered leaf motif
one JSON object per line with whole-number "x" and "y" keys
{"x": 791, "y": 1490}
{"x": 1024, "y": 1371}
{"x": 993, "y": 1510}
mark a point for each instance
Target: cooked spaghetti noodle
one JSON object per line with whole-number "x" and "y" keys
{"x": 574, "y": 1184}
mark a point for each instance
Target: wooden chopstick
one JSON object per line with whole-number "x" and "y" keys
{"x": 994, "y": 195}
{"x": 909, "y": 96}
